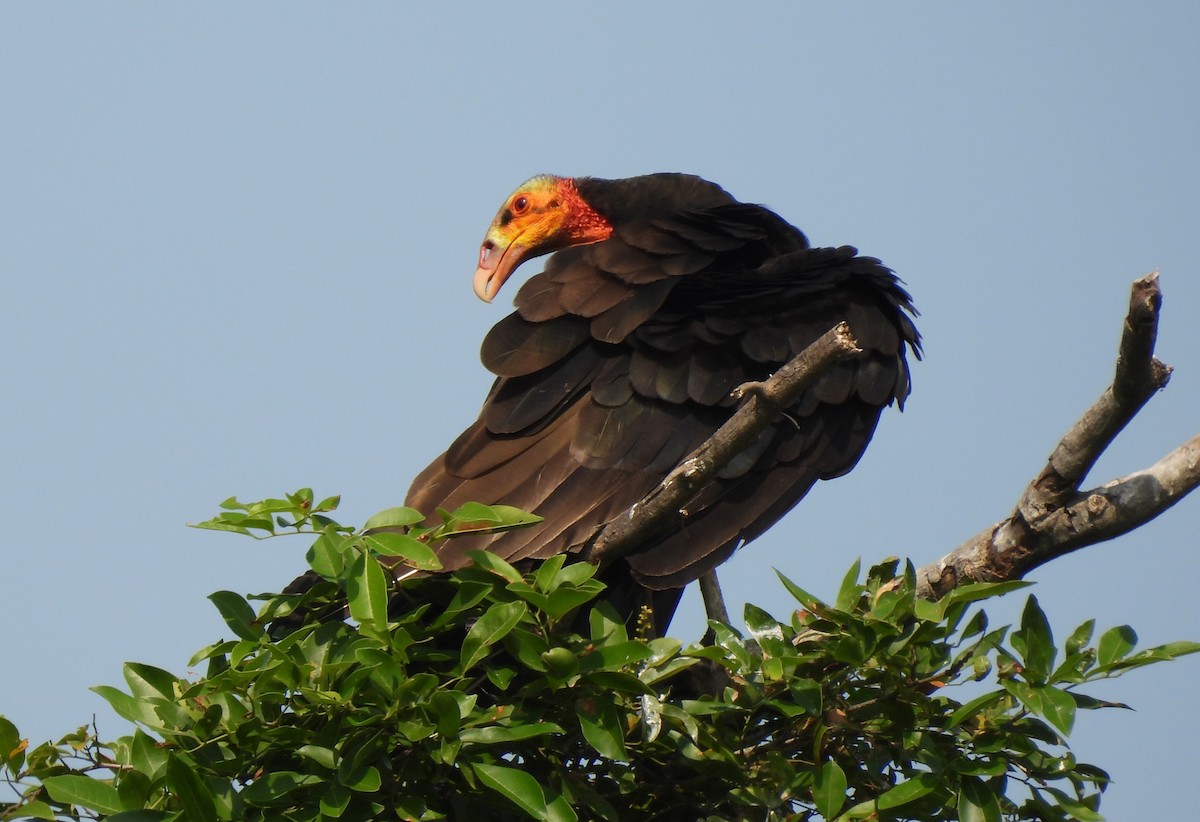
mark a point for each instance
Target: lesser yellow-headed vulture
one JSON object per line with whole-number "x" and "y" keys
{"x": 663, "y": 294}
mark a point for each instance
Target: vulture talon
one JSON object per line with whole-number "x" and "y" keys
{"x": 753, "y": 388}
{"x": 686, "y": 471}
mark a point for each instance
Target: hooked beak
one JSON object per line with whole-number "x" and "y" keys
{"x": 496, "y": 264}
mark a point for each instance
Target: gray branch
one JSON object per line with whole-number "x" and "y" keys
{"x": 1053, "y": 516}
{"x": 662, "y": 506}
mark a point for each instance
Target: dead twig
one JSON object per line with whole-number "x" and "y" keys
{"x": 1053, "y": 516}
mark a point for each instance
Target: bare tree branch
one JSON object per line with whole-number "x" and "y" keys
{"x": 767, "y": 400}
{"x": 1088, "y": 517}
{"x": 1139, "y": 375}
{"x": 1053, "y": 517}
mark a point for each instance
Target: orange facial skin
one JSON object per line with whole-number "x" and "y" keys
{"x": 545, "y": 214}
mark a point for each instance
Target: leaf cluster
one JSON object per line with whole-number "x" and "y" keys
{"x": 493, "y": 693}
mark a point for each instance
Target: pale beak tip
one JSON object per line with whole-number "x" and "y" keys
{"x": 482, "y": 285}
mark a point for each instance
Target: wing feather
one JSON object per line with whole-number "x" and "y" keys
{"x": 516, "y": 346}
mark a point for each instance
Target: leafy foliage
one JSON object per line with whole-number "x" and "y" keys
{"x": 495, "y": 694}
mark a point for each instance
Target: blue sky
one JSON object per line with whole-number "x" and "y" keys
{"x": 236, "y": 244}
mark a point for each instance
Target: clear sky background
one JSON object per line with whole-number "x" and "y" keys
{"x": 236, "y": 244}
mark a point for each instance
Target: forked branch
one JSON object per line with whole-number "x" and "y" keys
{"x": 1053, "y": 516}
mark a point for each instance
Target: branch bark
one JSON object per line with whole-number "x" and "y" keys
{"x": 1054, "y": 517}
{"x": 766, "y": 401}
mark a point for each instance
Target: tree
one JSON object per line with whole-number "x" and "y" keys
{"x": 492, "y": 694}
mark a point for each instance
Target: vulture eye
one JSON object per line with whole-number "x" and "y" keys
{"x": 520, "y": 204}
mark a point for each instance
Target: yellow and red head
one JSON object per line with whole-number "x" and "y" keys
{"x": 545, "y": 214}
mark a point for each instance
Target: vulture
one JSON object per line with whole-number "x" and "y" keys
{"x": 662, "y": 295}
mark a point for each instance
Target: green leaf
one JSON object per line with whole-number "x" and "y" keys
{"x": 760, "y": 623}
{"x": 238, "y": 615}
{"x": 616, "y": 655}
{"x": 546, "y": 576}
{"x": 147, "y": 681}
{"x": 219, "y": 525}
{"x": 328, "y": 504}
{"x": 977, "y": 625}
{"x": 10, "y": 742}
{"x": 1182, "y": 647}
{"x": 194, "y": 795}
{"x": 445, "y": 714}
{"x": 468, "y": 595}
{"x": 1115, "y": 643}
{"x": 1089, "y": 703}
{"x": 559, "y": 810}
{"x": 127, "y": 707}
{"x": 601, "y": 726}
{"x": 976, "y": 591}
{"x": 136, "y": 816}
{"x": 474, "y": 518}
{"x": 475, "y": 512}
{"x": 561, "y": 663}
{"x": 806, "y": 694}
{"x": 366, "y": 591}
{"x": 326, "y": 555}
{"x": 976, "y": 706}
{"x": 84, "y": 791}
{"x": 527, "y": 592}
{"x": 276, "y": 786}
{"x": 829, "y": 790}
{"x": 490, "y": 562}
{"x": 1080, "y": 637}
{"x": 977, "y": 802}
{"x": 334, "y": 799}
{"x": 509, "y": 517}
{"x": 497, "y": 734}
{"x": 400, "y": 517}
{"x": 806, "y": 599}
{"x": 325, "y": 757}
{"x": 133, "y": 788}
{"x": 494, "y": 625}
{"x": 863, "y": 810}
{"x": 1074, "y": 807}
{"x": 1058, "y": 706}
{"x": 146, "y": 755}
{"x": 906, "y": 792}
{"x": 577, "y": 573}
{"x": 605, "y": 625}
{"x": 1036, "y": 642}
{"x": 500, "y": 676}
{"x": 364, "y": 780}
{"x": 497, "y": 517}
{"x": 565, "y": 599}
{"x": 35, "y": 809}
{"x": 415, "y": 552}
{"x": 517, "y": 786}
{"x": 850, "y": 590}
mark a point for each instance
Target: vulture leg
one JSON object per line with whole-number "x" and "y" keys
{"x": 714, "y": 600}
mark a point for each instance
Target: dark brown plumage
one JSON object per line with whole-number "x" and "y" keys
{"x": 664, "y": 294}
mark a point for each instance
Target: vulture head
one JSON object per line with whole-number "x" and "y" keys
{"x": 544, "y": 214}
